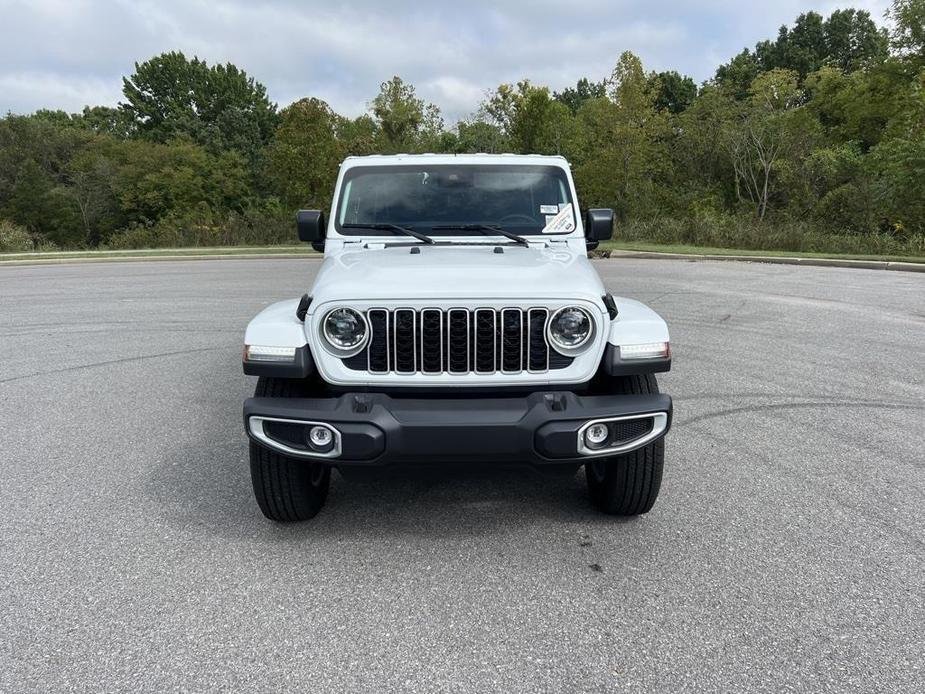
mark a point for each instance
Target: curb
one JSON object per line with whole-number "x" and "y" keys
{"x": 156, "y": 258}
{"x": 777, "y": 260}
{"x": 611, "y": 255}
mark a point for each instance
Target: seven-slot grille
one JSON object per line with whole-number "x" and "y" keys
{"x": 457, "y": 341}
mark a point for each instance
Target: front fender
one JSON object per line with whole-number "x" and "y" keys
{"x": 635, "y": 324}
{"x": 278, "y": 326}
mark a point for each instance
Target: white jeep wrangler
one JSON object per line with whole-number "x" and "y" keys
{"x": 455, "y": 318}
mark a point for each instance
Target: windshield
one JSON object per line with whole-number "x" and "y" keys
{"x": 519, "y": 198}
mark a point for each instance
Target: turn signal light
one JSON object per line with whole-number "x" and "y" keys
{"x": 284, "y": 355}
{"x": 649, "y": 350}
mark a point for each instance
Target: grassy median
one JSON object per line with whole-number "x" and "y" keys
{"x": 707, "y": 250}
{"x": 304, "y": 249}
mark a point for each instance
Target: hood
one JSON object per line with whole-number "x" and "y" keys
{"x": 457, "y": 272}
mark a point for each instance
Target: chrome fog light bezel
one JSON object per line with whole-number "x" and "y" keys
{"x": 578, "y": 348}
{"x": 336, "y": 349}
{"x": 659, "y": 426}
{"x": 256, "y": 429}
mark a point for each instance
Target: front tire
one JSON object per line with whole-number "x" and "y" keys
{"x": 627, "y": 485}
{"x": 286, "y": 489}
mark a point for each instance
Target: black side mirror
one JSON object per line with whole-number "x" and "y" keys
{"x": 598, "y": 227}
{"x": 310, "y": 224}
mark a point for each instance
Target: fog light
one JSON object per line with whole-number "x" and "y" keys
{"x": 596, "y": 435}
{"x": 321, "y": 439}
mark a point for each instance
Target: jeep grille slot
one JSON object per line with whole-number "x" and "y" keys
{"x": 512, "y": 356}
{"x": 405, "y": 347}
{"x": 484, "y": 341}
{"x": 537, "y": 349}
{"x": 434, "y": 341}
{"x": 379, "y": 340}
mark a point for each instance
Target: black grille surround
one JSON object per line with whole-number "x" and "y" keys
{"x": 457, "y": 341}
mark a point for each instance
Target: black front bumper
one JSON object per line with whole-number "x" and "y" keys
{"x": 376, "y": 429}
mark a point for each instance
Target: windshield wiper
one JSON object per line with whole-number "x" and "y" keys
{"x": 383, "y": 226}
{"x": 484, "y": 227}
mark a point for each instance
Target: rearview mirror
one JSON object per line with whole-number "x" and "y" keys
{"x": 310, "y": 224}
{"x": 598, "y": 227}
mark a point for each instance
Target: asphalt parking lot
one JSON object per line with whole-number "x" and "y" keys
{"x": 786, "y": 552}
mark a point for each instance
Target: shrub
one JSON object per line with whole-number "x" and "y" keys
{"x": 716, "y": 230}
{"x": 14, "y": 238}
{"x": 266, "y": 224}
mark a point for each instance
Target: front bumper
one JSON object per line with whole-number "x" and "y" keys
{"x": 377, "y": 429}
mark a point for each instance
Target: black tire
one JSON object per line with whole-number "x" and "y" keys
{"x": 286, "y": 489}
{"x": 627, "y": 485}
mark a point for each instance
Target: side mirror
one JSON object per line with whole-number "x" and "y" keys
{"x": 310, "y": 224}
{"x": 598, "y": 227}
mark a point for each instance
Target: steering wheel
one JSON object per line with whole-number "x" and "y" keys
{"x": 517, "y": 216}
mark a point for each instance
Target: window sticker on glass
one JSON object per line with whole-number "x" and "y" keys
{"x": 562, "y": 223}
{"x": 549, "y": 209}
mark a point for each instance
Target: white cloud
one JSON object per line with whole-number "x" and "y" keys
{"x": 456, "y": 95}
{"x": 67, "y": 53}
{"x": 27, "y": 91}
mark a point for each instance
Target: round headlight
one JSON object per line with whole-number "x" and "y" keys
{"x": 570, "y": 328}
{"x": 344, "y": 328}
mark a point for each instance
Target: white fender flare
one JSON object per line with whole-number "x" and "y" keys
{"x": 636, "y": 325}
{"x": 278, "y": 327}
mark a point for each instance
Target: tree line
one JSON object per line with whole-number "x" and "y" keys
{"x": 813, "y": 140}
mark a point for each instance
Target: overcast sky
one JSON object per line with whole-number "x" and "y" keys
{"x": 68, "y": 53}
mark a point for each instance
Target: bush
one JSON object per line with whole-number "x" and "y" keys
{"x": 14, "y": 238}
{"x": 262, "y": 225}
{"x": 266, "y": 225}
{"x": 716, "y": 230}
{"x": 845, "y": 209}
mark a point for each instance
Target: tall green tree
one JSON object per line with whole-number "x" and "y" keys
{"x": 621, "y": 150}
{"x": 34, "y": 155}
{"x": 575, "y": 97}
{"x": 859, "y": 106}
{"x": 848, "y": 40}
{"x": 477, "y": 135}
{"x": 736, "y": 77}
{"x": 90, "y": 176}
{"x": 105, "y": 120}
{"x": 771, "y": 128}
{"x": 673, "y": 91}
{"x": 699, "y": 163}
{"x": 909, "y": 27}
{"x": 154, "y": 180}
{"x": 359, "y": 135}
{"x": 220, "y": 107}
{"x": 301, "y": 162}
{"x": 407, "y": 123}
{"x": 530, "y": 119}
{"x": 853, "y": 41}
{"x": 801, "y": 48}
